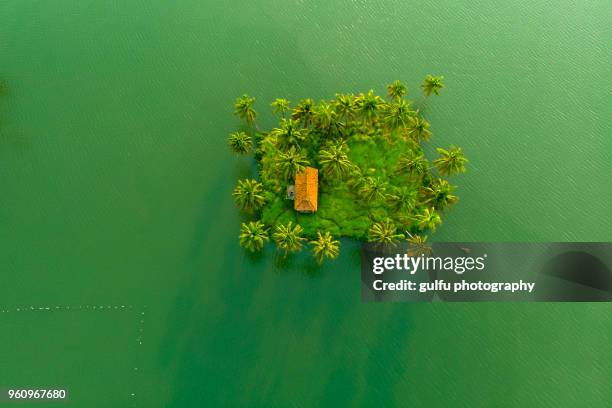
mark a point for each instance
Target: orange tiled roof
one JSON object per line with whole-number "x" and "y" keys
{"x": 306, "y": 190}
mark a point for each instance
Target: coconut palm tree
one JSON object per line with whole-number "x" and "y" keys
{"x": 304, "y": 111}
{"x": 323, "y": 115}
{"x": 355, "y": 182}
{"x": 428, "y": 219}
{"x": 253, "y": 236}
{"x": 325, "y": 246}
{"x": 432, "y": 84}
{"x": 355, "y": 179}
{"x": 369, "y": 105}
{"x": 373, "y": 189}
{"x": 248, "y": 195}
{"x": 240, "y": 142}
{"x": 418, "y": 129}
{"x": 403, "y": 199}
{"x": 438, "y": 195}
{"x": 244, "y": 108}
{"x": 291, "y": 162}
{"x": 396, "y": 89}
{"x": 346, "y": 106}
{"x": 280, "y": 105}
{"x": 398, "y": 114}
{"x": 336, "y": 126}
{"x": 288, "y": 238}
{"x": 418, "y": 246}
{"x": 451, "y": 161}
{"x": 384, "y": 232}
{"x": 412, "y": 164}
{"x": 326, "y": 118}
{"x": 289, "y": 134}
{"x": 334, "y": 160}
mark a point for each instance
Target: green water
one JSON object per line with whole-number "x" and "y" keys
{"x": 116, "y": 182}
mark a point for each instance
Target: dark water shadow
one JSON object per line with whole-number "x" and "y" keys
{"x": 311, "y": 268}
{"x": 283, "y": 262}
{"x": 196, "y": 341}
{"x": 255, "y": 258}
{"x": 14, "y": 138}
{"x": 575, "y": 276}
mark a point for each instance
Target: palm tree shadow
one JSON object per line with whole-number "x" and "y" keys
{"x": 255, "y": 258}
{"x": 282, "y": 262}
{"x": 183, "y": 309}
{"x": 193, "y": 334}
{"x": 312, "y": 269}
{"x": 301, "y": 262}
{"x": 15, "y": 139}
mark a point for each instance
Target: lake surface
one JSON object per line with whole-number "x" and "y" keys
{"x": 116, "y": 210}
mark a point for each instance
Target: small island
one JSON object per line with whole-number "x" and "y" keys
{"x": 350, "y": 167}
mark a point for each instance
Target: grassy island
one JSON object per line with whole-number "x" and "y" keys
{"x": 351, "y": 167}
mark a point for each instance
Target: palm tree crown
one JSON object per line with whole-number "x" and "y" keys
{"x": 240, "y": 142}
{"x": 432, "y": 84}
{"x": 346, "y": 106}
{"x": 403, "y": 199}
{"x": 280, "y": 105}
{"x": 334, "y": 160}
{"x": 412, "y": 164}
{"x": 429, "y": 218}
{"x": 325, "y": 246}
{"x": 326, "y": 118}
{"x": 396, "y": 89}
{"x": 291, "y": 162}
{"x": 439, "y": 195}
{"x": 248, "y": 195}
{"x": 244, "y": 108}
{"x": 384, "y": 232}
{"x": 304, "y": 111}
{"x": 289, "y": 238}
{"x": 372, "y": 189}
{"x": 418, "y": 129}
{"x": 398, "y": 114}
{"x": 369, "y": 104}
{"x": 253, "y": 236}
{"x": 451, "y": 161}
{"x": 289, "y": 134}
{"x": 418, "y": 246}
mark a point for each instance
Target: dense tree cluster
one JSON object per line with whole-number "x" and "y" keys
{"x": 375, "y": 181}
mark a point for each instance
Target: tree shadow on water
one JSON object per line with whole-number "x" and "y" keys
{"x": 14, "y": 138}
{"x": 312, "y": 269}
{"x": 210, "y": 344}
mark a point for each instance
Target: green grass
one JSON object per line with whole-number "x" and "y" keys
{"x": 341, "y": 211}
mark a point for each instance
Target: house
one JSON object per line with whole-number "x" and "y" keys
{"x": 306, "y": 190}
